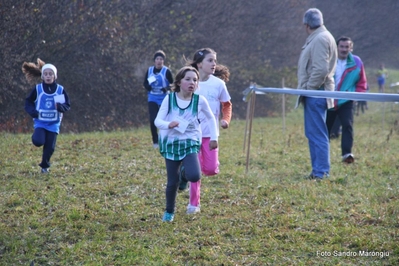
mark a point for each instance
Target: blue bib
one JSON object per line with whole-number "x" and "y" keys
{"x": 49, "y": 118}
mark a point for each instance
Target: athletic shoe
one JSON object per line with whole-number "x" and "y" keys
{"x": 155, "y": 145}
{"x": 182, "y": 179}
{"x": 168, "y": 217}
{"x": 44, "y": 171}
{"x": 348, "y": 158}
{"x": 314, "y": 178}
{"x": 193, "y": 209}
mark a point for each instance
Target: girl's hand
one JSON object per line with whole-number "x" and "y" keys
{"x": 173, "y": 124}
{"x": 224, "y": 124}
{"x": 213, "y": 144}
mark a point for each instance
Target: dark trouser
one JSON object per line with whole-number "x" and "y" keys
{"x": 361, "y": 105}
{"x": 47, "y": 139}
{"x": 153, "y": 109}
{"x": 345, "y": 115}
{"x": 334, "y": 132}
{"x": 192, "y": 174}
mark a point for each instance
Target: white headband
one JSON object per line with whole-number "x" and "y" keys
{"x": 50, "y": 66}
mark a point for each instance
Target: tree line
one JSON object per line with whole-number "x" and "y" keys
{"x": 103, "y": 48}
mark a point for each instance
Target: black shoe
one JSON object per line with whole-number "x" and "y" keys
{"x": 348, "y": 158}
{"x": 182, "y": 179}
{"x": 314, "y": 178}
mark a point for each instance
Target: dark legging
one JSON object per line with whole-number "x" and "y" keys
{"x": 153, "y": 109}
{"x": 47, "y": 139}
{"x": 192, "y": 173}
{"x": 345, "y": 115}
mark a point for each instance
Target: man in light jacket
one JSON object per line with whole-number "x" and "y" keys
{"x": 316, "y": 68}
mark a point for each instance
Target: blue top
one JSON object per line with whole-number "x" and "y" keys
{"x": 41, "y": 106}
{"x": 157, "y": 81}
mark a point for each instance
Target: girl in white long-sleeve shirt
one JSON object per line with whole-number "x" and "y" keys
{"x": 180, "y": 133}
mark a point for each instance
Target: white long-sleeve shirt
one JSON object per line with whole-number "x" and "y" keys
{"x": 176, "y": 143}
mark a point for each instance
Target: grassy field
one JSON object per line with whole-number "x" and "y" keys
{"x": 103, "y": 201}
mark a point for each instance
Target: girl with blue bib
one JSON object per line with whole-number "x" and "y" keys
{"x": 157, "y": 81}
{"x": 46, "y": 104}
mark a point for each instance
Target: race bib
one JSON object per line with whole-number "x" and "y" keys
{"x": 48, "y": 115}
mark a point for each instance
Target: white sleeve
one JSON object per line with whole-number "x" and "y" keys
{"x": 211, "y": 121}
{"x": 160, "y": 121}
{"x": 224, "y": 94}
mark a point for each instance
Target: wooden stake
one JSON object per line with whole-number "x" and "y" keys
{"x": 246, "y": 123}
{"x": 252, "y": 100}
{"x": 283, "y": 105}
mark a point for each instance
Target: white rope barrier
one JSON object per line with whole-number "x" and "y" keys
{"x": 356, "y": 96}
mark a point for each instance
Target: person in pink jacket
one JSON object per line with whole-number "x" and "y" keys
{"x": 215, "y": 91}
{"x": 351, "y": 77}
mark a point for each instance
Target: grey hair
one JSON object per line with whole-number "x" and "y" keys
{"x": 313, "y": 17}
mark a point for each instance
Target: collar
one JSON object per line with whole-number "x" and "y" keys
{"x": 316, "y": 32}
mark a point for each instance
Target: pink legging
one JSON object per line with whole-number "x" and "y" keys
{"x": 209, "y": 161}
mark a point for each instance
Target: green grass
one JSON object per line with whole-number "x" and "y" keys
{"x": 103, "y": 201}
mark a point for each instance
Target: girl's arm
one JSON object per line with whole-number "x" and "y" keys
{"x": 146, "y": 85}
{"x": 169, "y": 77}
{"x": 63, "y": 107}
{"x": 30, "y": 106}
{"x": 227, "y": 108}
{"x": 160, "y": 121}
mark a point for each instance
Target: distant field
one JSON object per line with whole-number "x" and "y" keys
{"x": 103, "y": 201}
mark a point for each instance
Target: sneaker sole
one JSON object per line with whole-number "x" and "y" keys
{"x": 193, "y": 210}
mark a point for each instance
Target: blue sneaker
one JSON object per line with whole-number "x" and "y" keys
{"x": 168, "y": 217}
{"x": 182, "y": 179}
